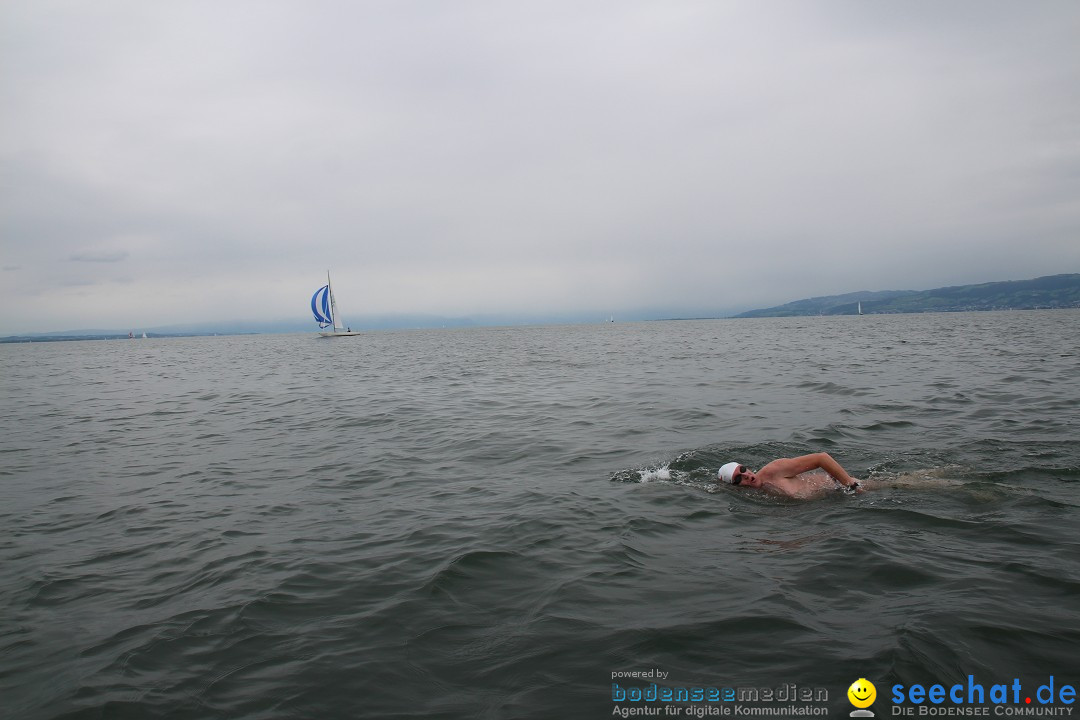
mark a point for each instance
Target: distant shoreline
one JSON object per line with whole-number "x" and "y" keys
{"x": 1052, "y": 292}
{"x": 98, "y": 336}
{"x": 49, "y": 338}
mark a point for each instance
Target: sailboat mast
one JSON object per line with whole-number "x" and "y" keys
{"x": 333, "y": 305}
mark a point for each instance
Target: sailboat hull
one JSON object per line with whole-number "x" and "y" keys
{"x": 343, "y": 333}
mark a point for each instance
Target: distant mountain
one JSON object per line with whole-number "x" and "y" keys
{"x": 1052, "y": 291}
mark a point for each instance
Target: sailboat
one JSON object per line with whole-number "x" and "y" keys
{"x": 324, "y": 307}
{"x": 860, "y": 308}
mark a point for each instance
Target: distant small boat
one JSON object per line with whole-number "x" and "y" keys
{"x": 324, "y": 308}
{"x": 131, "y": 335}
{"x": 860, "y": 308}
{"x": 144, "y": 336}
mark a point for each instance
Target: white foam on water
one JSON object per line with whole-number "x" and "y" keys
{"x": 662, "y": 473}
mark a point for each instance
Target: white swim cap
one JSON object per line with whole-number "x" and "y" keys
{"x": 727, "y": 471}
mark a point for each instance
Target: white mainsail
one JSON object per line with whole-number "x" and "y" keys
{"x": 333, "y": 305}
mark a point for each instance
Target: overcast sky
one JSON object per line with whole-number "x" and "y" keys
{"x": 167, "y": 162}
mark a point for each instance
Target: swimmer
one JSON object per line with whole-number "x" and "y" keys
{"x": 793, "y": 477}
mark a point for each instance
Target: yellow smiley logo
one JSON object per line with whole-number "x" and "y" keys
{"x": 862, "y": 693}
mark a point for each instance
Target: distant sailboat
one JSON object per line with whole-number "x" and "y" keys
{"x": 324, "y": 307}
{"x": 860, "y": 308}
{"x": 144, "y": 336}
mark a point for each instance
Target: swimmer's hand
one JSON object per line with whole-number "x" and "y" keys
{"x": 854, "y": 488}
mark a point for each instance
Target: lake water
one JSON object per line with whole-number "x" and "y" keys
{"x": 490, "y": 523}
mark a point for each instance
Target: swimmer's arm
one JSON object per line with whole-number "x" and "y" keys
{"x": 793, "y": 466}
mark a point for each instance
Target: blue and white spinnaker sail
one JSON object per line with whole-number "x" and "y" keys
{"x": 324, "y": 308}
{"x": 320, "y": 307}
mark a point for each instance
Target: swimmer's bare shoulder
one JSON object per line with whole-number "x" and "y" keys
{"x": 782, "y": 472}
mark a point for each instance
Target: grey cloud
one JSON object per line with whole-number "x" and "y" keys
{"x": 100, "y": 256}
{"x": 543, "y": 156}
